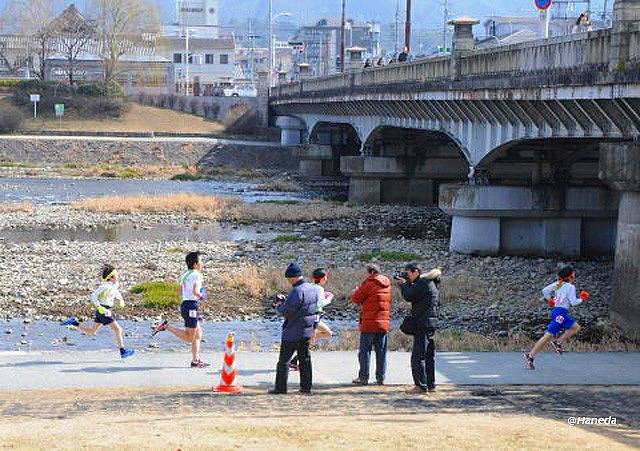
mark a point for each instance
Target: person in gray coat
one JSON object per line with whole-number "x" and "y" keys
{"x": 300, "y": 312}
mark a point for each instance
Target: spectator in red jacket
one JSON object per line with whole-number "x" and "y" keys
{"x": 374, "y": 298}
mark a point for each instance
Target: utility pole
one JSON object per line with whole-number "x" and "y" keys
{"x": 343, "y": 36}
{"x": 445, "y": 16}
{"x": 397, "y": 27}
{"x": 407, "y": 28}
{"x": 270, "y": 31}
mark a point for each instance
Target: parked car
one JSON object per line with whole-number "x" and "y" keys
{"x": 241, "y": 91}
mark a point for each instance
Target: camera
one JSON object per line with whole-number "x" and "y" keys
{"x": 401, "y": 275}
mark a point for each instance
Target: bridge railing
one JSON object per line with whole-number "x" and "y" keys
{"x": 578, "y": 50}
{"x": 634, "y": 46}
{"x": 585, "y": 52}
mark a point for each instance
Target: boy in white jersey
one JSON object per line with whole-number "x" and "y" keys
{"x": 103, "y": 299}
{"x": 560, "y": 296}
{"x": 191, "y": 292}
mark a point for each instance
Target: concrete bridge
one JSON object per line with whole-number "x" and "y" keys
{"x": 532, "y": 148}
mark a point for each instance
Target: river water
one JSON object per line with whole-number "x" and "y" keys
{"x": 260, "y": 335}
{"x": 61, "y": 190}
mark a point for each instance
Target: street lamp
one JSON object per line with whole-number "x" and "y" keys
{"x": 272, "y": 51}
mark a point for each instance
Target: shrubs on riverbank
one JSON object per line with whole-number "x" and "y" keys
{"x": 281, "y": 186}
{"x": 13, "y": 207}
{"x": 86, "y": 100}
{"x": 216, "y": 208}
{"x": 11, "y": 118}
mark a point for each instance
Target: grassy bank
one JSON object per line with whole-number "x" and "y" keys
{"x": 138, "y": 118}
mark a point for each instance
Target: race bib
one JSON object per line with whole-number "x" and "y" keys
{"x": 559, "y": 319}
{"x": 193, "y": 313}
{"x": 107, "y": 313}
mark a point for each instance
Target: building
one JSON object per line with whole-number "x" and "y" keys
{"x": 209, "y": 63}
{"x": 24, "y": 56}
{"x": 200, "y": 16}
{"x": 321, "y": 43}
{"x": 200, "y": 60}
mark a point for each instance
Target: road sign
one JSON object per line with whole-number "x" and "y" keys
{"x": 59, "y": 109}
{"x": 543, "y": 4}
{"x": 35, "y": 98}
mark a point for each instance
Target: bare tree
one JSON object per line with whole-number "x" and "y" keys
{"x": 31, "y": 22}
{"x": 124, "y": 27}
{"x": 75, "y": 34}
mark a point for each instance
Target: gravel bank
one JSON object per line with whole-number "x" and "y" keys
{"x": 495, "y": 296}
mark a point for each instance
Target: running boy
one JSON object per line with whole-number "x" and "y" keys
{"x": 560, "y": 296}
{"x": 103, "y": 299}
{"x": 320, "y": 277}
{"x": 191, "y": 292}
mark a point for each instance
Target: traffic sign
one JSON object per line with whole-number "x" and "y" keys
{"x": 543, "y": 4}
{"x": 35, "y": 97}
{"x": 59, "y": 109}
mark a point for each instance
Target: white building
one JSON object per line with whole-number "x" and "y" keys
{"x": 200, "y": 60}
{"x": 200, "y": 16}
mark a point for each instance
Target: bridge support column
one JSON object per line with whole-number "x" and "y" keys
{"x": 626, "y": 15}
{"x": 519, "y": 220}
{"x": 292, "y": 129}
{"x": 620, "y": 167}
{"x": 315, "y": 160}
{"x": 396, "y": 180}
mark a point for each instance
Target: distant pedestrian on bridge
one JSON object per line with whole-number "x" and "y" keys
{"x": 404, "y": 55}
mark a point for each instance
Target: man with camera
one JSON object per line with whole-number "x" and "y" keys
{"x": 299, "y": 309}
{"x": 422, "y": 292}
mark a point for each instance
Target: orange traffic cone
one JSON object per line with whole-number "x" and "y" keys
{"x": 228, "y": 375}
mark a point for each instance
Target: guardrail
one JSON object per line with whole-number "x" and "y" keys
{"x": 563, "y": 52}
{"x": 585, "y": 52}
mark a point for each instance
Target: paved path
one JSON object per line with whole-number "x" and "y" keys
{"x": 32, "y": 370}
{"x": 177, "y": 139}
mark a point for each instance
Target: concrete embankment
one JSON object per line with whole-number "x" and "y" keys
{"x": 205, "y": 152}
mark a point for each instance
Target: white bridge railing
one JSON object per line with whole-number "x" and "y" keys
{"x": 580, "y": 51}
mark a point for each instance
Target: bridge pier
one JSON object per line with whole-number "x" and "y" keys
{"x": 522, "y": 220}
{"x": 620, "y": 168}
{"x": 398, "y": 180}
{"x": 291, "y": 130}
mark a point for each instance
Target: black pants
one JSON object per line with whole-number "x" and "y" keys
{"x": 287, "y": 349}
{"x": 423, "y": 359}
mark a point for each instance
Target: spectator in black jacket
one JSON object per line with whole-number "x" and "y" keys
{"x": 422, "y": 292}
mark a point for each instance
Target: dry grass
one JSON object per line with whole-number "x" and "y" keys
{"x": 215, "y": 207}
{"x": 211, "y": 207}
{"x": 139, "y": 118}
{"x": 457, "y": 287}
{"x": 453, "y": 340}
{"x": 254, "y": 282}
{"x": 18, "y": 207}
{"x": 281, "y": 186}
{"x": 393, "y": 421}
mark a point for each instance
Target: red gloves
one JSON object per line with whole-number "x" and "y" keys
{"x": 552, "y": 302}
{"x": 584, "y": 295}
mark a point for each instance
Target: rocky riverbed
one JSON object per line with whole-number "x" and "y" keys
{"x": 51, "y": 277}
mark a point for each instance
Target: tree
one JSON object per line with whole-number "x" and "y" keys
{"x": 74, "y": 34}
{"x": 123, "y": 27}
{"x": 31, "y": 20}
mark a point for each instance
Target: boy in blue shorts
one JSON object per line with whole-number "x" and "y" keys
{"x": 191, "y": 293}
{"x": 560, "y": 296}
{"x": 103, "y": 299}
